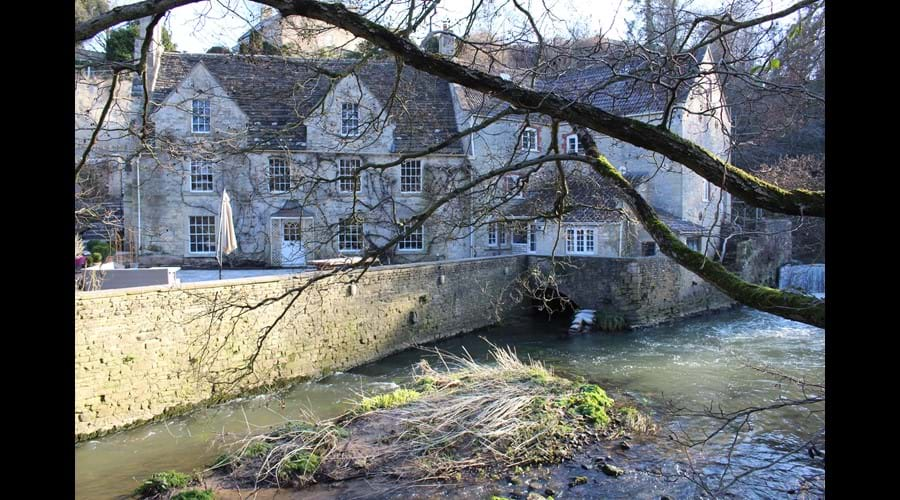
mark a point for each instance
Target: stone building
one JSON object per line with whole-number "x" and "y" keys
{"x": 298, "y": 36}
{"x": 600, "y": 224}
{"x": 99, "y": 183}
{"x": 286, "y": 137}
{"x": 285, "y": 140}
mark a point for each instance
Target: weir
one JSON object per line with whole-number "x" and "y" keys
{"x": 807, "y": 278}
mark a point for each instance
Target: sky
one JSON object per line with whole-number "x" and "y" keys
{"x": 198, "y": 27}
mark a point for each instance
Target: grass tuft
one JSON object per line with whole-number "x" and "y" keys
{"x": 393, "y": 399}
{"x": 162, "y": 482}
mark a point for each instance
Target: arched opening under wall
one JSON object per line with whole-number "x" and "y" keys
{"x": 549, "y": 302}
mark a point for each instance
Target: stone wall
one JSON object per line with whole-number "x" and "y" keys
{"x": 145, "y": 352}
{"x": 768, "y": 247}
{"x": 141, "y": 353}
{"x": 645, "y": 290}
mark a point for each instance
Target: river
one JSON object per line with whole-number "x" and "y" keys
{"x": 691, "y": 363}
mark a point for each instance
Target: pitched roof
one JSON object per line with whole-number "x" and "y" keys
{"x": 591, "y": 199}
{"x": 678, "y": 225}
{"x": 292, "y": 208}
{"x": 617, "y": 81}
{"x": 277, "y": 93}
{"x": 624, "y": 83}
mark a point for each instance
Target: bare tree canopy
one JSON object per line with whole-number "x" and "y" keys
{"x": 532, "y": 75}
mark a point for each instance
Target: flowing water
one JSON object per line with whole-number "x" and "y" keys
{"x": 692, "y": 364}
{"x": 809, "y": 278}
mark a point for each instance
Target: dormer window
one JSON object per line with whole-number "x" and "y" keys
{"x": 349, "y": 119}
{"x": 200, "y": 116}
{"x": 529, "y": 139}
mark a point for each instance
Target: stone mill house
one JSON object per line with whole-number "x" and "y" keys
{"x": 284, "y": 136}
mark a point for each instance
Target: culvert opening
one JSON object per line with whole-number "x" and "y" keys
{"x": 552, "y": 303}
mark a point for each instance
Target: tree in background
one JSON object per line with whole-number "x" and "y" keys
{"x": 87, "y": 9}
{"x": 257, "y": 45}
{"x": 120, "y": 42}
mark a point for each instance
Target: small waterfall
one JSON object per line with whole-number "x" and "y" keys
{"x": 807, "y": 278}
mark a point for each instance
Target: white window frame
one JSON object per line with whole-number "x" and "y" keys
{"x": 530, "y": 234}
{"x": 498, "y": 232}
{"x": 201, "y": 122}
{"x": 196, "y": 166}
{"x": 350, "y": 119}
{"x": 348, "y": 175}
{"x": 414, "y": 242}
{"x": 410, "y": 180}
{"x": 207, "y": 222}
{"x": 532, "y": 238}
{"x": 578, "y": 241}
{"x": 534, "y": 142}
{"x": 279, "y": 180}
{"x": 707, "y": 190}
{"x": 344, "y": 233}
{"x": 569, "y": 148}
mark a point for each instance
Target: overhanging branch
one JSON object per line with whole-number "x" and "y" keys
{"x": 732, "y": 179}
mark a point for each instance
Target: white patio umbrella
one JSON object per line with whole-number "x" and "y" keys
{"x": 226, "y": 242}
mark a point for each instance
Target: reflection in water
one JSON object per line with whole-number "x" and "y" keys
{"x": 692, "y": 363}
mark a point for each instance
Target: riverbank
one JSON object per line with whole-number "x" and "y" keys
{"x": 689, "y": 363}
{"x": 475, "y": 423}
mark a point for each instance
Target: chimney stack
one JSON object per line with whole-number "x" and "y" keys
{"x": 154, "y": 54}
{"x": 446, "y": 40}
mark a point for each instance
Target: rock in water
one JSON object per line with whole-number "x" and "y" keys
{"x": 583, "y": 320}
{"x": 612, "y": 470}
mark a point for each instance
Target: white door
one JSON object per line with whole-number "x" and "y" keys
{"x": 523, "y": 239}
{"x": 291, "y": 248}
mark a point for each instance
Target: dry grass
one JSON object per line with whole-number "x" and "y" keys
{"x": 469, "y": 415}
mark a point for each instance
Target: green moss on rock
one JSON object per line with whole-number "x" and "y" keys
{"x": 390, "y": 400}
{"x": 194, "y": 495}
{"x": 591, "y": 402}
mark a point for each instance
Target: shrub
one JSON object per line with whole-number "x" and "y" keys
{"x": 258, "y": 449}
{"x": 96, "y": 258}
{"x": 301, "y": 464}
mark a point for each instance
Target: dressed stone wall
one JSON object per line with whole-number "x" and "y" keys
{"x": 645, "y": 290}
{"x": 141, "y": 353}
{"x": 145, "y": 352}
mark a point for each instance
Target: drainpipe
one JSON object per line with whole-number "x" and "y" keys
{"x": 471, "y": 222}
{"x": 138, "y": 177}
{"x": 621, "y": 235}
